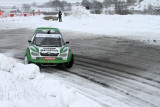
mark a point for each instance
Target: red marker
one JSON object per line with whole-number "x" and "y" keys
{"x": 39, "y": 11}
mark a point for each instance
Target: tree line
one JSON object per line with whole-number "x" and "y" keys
{"x": 58, "y": 5}
{"x": 120, "y": 7}
{"x": 96, "y": 7}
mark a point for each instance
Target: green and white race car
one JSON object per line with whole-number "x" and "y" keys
{"x": 47, "y": 48}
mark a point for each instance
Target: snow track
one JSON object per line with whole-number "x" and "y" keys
{"x": 132, "y": 86}
{"x": 134, "y": 81}
{"x": 113, "y": 71}
{"x": 121, "y": 70}
{"x": 125, "y": 86}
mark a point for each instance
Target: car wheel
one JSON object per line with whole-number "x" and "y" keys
{"x": 26, "y": 60}
{"x": 70, "y": 63}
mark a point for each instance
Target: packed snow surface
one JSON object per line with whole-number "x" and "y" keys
{"x": 132, "y": 26}
{"x": 24, "y": 86}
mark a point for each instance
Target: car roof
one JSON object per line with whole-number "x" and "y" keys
{"x": 39, "y": 28}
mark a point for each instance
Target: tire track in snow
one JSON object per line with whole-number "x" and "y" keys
{"x": 122, "y": 89}
{"x": 122, "y": 69}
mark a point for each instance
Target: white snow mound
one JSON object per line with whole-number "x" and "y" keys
{"x": 29, "y": 71}
{"x": 25, "y": 86}
{"x": 6, "y": 63}
{"x": 80, "y": 12}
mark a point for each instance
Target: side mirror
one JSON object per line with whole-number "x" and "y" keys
{"x": 29, "y": 41}
{"x": 67, "y": 42}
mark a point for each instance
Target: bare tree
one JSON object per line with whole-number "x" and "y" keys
{"x": 131, "y": 2}
{"x": 121, "y": 8}
{"x": 140, "y": 1}
{"x": 86, "y": 3}
{"x": 108, "y": 3}
{"x": 14, "y": 7}
{"x": 58, "y": 5}
{"x": 96, "y": 7}
{"x": 26, "y": 7}
{"x": 34, "y": 4}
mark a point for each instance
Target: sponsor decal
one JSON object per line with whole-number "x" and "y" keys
{"x": 51, "y": 50}
{"x": 49, "y": 35}
{"x": 49, "y": 58}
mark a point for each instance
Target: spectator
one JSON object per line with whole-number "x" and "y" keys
{"x": 60, "y": 16}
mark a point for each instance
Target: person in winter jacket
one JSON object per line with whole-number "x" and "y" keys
{"x": 60, "y": 16}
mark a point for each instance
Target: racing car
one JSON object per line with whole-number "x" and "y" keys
{"x": 47, "y": 48}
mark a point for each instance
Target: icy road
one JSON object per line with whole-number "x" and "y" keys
{"x": 112, "y": 71}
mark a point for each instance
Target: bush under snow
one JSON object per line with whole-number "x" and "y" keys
{"x": 24, "y": 86}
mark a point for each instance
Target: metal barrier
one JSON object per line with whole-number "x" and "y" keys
{"x": 18, "y": 14}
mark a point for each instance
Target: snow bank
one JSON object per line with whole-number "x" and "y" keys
{"x": 6, "y": 63}
{"x": 18, "y": 93}
{"x": 22, "y": 71}
{"x": 146, "y": 3}
{"x": 22, "y": 22}
{"x": 24, "y": 86}
{"x": 80, "y": 12}
{"x": 135, "y": 26}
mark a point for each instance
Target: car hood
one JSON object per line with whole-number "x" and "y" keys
{"x": 48, "y": 49}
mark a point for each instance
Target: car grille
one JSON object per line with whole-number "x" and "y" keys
{"x": 49, "y": 54}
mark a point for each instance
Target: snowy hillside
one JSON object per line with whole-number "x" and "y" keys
{"x": 146, "y": 3}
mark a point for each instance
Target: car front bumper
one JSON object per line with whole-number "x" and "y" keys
{"x": 41, "y": 60}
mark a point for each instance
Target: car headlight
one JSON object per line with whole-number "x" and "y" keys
{"x": 34, "y": 53}
{"x": 63, "y": 54}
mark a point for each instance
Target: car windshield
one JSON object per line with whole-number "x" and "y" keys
{"x": 47, "y": 40}
{"x": 47, "y": 31}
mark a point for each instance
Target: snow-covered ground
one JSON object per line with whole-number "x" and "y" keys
{"x": 144, "y": 27}
{"x": 24, "y": 86}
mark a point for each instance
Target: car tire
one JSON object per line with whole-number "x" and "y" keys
{"x": 26, "y": 60}
{"x": 70, "y": 63}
